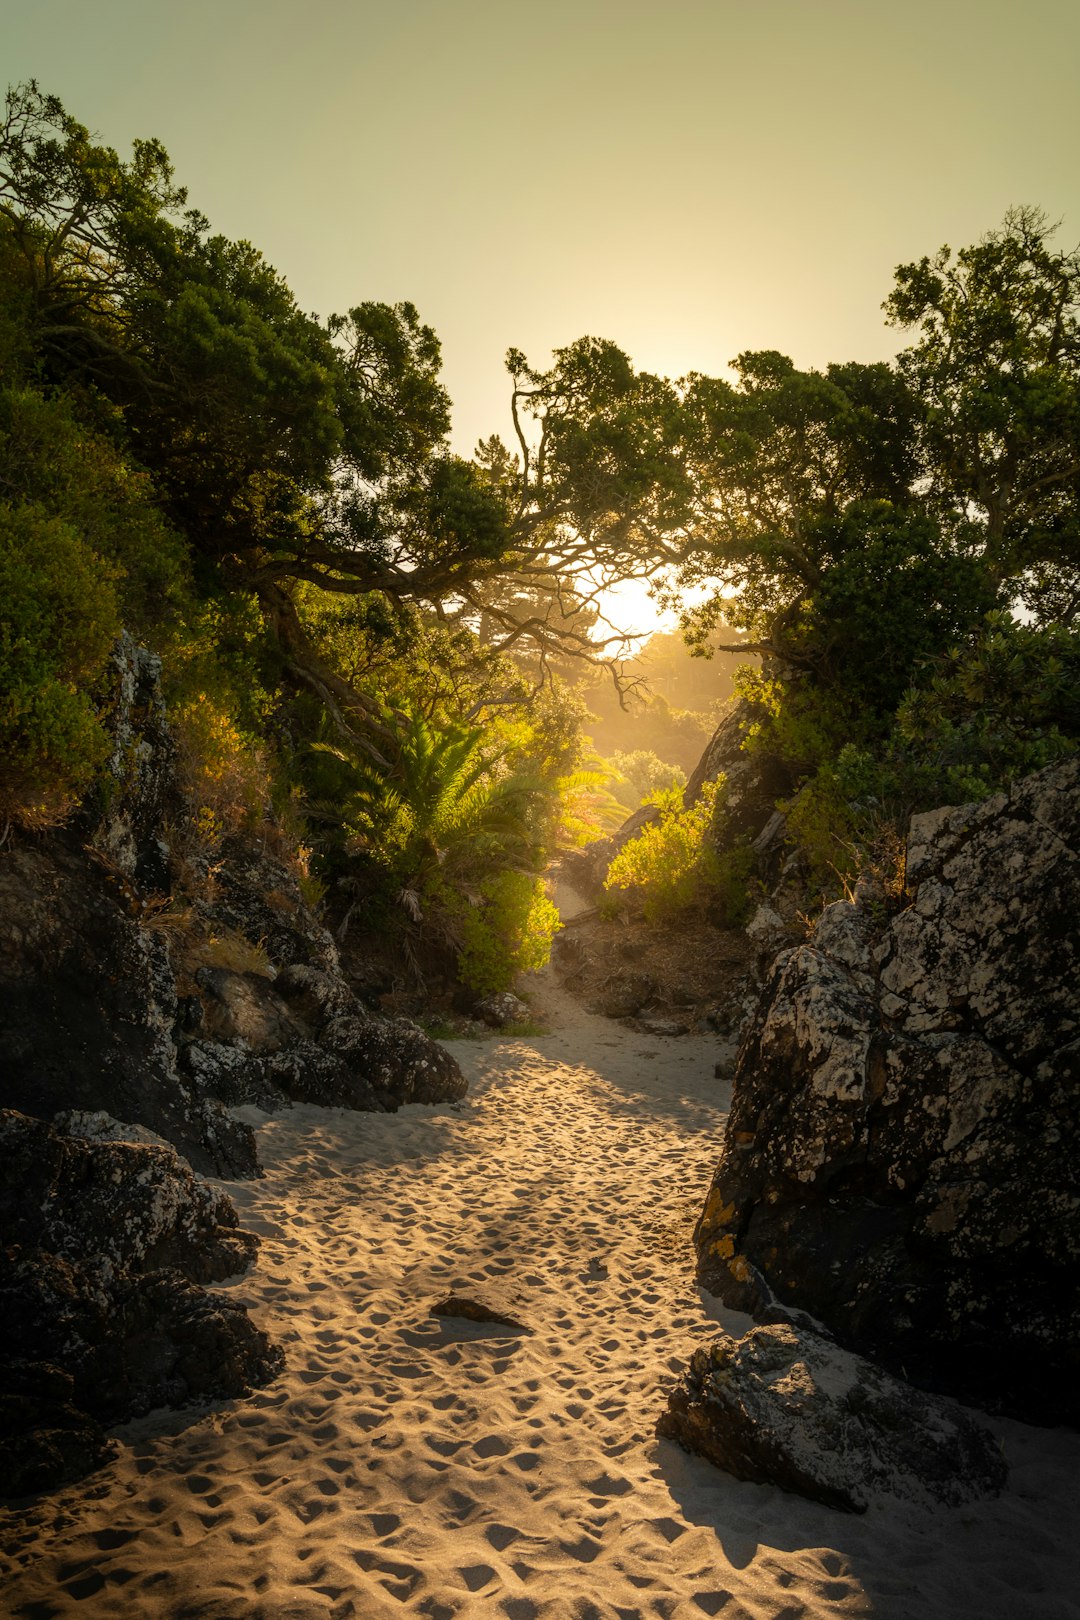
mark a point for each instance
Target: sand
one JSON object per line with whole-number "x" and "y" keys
{"x": 407, "y": 1465}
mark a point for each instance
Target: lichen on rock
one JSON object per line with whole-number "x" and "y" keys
{"x": 786, "y": 1406}
{"x": 901, "y": 1155}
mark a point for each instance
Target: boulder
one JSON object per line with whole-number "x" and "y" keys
{"x": 256, "y": 893}
{"x": 473, "y": 1308}
{"x": 106, "y": 1242}
{"x": 119, "y": 1205}
{"x": 785, "y": 1406}
{"x": 145, "y": 794}
{"x": 501, "y": 1009}
{"x": 902, "y": 1156}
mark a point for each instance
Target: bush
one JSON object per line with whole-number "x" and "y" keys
{"x": 645, "y": 774}
{"x": 54, "y": 462}
{"x": 59, "y": 617}
{"x": 672, "y": 865}
{"x": 509, "y": 933}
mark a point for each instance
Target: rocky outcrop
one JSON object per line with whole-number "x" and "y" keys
{"x": 786, "y": 1406}
{"x": 89, "y": 1013}
{"x": 901, "y": 1158}
{"x": 754, "y": 780}
{"x": 106, "y": 1243}
{"x": 305, "y": 1035}
{"x": 101, "y": 1009}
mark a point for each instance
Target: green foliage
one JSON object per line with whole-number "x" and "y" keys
{"x": 671, "y": 865}
{"x": 1005, "y": 704}
{"x": 50, "y": 458}
{"x": 350, "y": 611}
{"x": 996, "y": 707}
{"x": 588, "y": 806}
{"x": 59, "y": 616}
{"x": 508, "y": 933}
{"x": 996, "y": 369}
{"x": 449, "y": 838}
{"x": 446, "y": 807}
{"x": 645, "y": 774}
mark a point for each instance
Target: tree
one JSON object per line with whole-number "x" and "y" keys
{"x": 996, "y": 372}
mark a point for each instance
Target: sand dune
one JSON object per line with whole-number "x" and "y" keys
{"x": 414, "y": 1465}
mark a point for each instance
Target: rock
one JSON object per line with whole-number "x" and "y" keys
{"x": 472, "y": 1309}
{"x": 669, "y": 1027}
{"x": 145, "y": 793}
{"x": 314, "y": 996}
{"x": 256, "y": 893}
{"x": 91, "y": 1020}
{"x": 754, "y": 781}
{"x": 106, "y": 1241}
{"x": 45, "y": 1440}
{"x": 121, "y": 1205}
{"x": 245, "y": 1008}
{"x": 764, "y": 921}
{"x": 89, "y": 1012}
{"x": 616, "y": 1002}
{"x": 502, "y": 1009}
{"x": 786, "y": 1406}
{"x": 901, "y": 1155}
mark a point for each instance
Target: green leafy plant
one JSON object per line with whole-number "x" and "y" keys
{"x": 671, "y": 865}
{"x": 59, "y": 616}
{"x": 508, "y": 933}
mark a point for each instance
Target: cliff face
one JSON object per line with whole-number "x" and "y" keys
{"x": 100, "y": 1011}
{"x": 901, "y": 1159}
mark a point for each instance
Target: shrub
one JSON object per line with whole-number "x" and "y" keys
{"x": 509, "y": 933}
{"x": 672, "y": 864}
{"x": 59, "y": 616}
{"x": 53, "y": 461}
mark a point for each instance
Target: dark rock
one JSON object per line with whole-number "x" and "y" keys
{"x": 472, "y": 1309}
{"x": 91, "y": 1020}
{"x": 669, "y": 1027}
{"x": 88, "y": 1006}
{"x": 257, "y": 894}
{"x": 624, "y": 995}
{"x": 143, "y": 793}
{"x": 402, "y": 1063}
{"x": 616, "y": 1002}
{"x": 902, "y": 1157}
{"x": 314, "y": 996}
{"x": 786, "y": 1406}
{"x": 45, "y": 1440}
{"x": 753, "y": 781}
{"x": 105, "y": 1242}
{"x": 119, "y": 1204}
{"x": 245, "y": 1007}
{"x": 305, "y": 1036}
{"x": 502, "y": 1009}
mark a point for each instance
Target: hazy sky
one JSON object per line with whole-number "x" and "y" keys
{"x": 689, "y": 179}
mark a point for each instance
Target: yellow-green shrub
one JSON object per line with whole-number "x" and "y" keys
{"x": 509, "y": 933}
{"x": 672, "y": 864}
{"x": 53, "y": 461}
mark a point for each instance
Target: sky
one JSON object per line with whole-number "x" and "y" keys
{"x": 689, "y": 179}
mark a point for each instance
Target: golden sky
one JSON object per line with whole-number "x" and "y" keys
{"x": 689, "y": 178}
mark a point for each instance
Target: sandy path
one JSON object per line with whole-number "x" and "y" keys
{"x": 406, "y": 1466}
